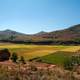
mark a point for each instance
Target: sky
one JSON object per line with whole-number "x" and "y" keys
{"x": 32, "y": 16}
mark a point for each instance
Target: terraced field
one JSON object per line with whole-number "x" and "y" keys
{"x": 32, "y": 51}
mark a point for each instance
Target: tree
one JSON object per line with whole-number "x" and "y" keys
{"x": 14, "y": 57}
{"x": 22, "y": 60}
{"x": 4, "y": 54}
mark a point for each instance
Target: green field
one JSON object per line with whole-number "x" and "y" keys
{"x": 33, "y": 51}
{"x": 57, "y": 58}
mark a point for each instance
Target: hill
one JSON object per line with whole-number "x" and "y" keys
{"x": 70, "y": 35}
{"x": 11, "y": 36}
{"x": 66, "y": 34}
{"x": 40, "y": 33}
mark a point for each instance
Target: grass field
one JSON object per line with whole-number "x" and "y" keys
{"x": 32, "y": 51}
{"x": 57, "y": 58}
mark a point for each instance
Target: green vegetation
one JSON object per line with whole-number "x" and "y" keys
{"x": 56, "y": 58}
{"x": 72, "y": 62}
{"x": 14, "y": 57}
{"x": 68, "y": 60}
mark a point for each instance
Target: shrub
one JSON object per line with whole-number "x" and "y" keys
{"x": 14, "y": 57}
{"x": 4, "y": 54}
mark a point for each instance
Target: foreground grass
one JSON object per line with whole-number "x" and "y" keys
{"x": 30, "y": 71}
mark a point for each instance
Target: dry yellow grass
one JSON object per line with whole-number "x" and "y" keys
{"x": 72, "y": 49}
{"x": 32, "y": 51}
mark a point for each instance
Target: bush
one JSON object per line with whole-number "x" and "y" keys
{"x": 4, "y": 54}
{"x": 14, "y": 57}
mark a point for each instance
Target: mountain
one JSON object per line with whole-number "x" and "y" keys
{"x": 70, "y": 35}
{"x": 40, "y": 33}
{"x": 12, "y": 35}
{"x": 9, "y": 32}
{"x": 75, "y": 28}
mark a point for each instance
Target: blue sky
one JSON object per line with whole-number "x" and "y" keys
{"x": 32, "y": 16}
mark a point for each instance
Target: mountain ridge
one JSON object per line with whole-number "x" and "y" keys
{"x": 70, "y": 34}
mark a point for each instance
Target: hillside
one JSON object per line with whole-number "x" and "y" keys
{"x": 70, "y": 35}
{"x": 66, "y": 34}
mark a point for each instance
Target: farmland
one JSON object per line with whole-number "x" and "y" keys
{"x": 57, "y": 58}
{"x": 33, "y": 51}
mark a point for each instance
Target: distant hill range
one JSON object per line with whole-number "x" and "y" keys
{"x": 69, "y": 36}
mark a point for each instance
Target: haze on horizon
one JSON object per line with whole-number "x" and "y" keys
{"x": 32, "y": 16}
